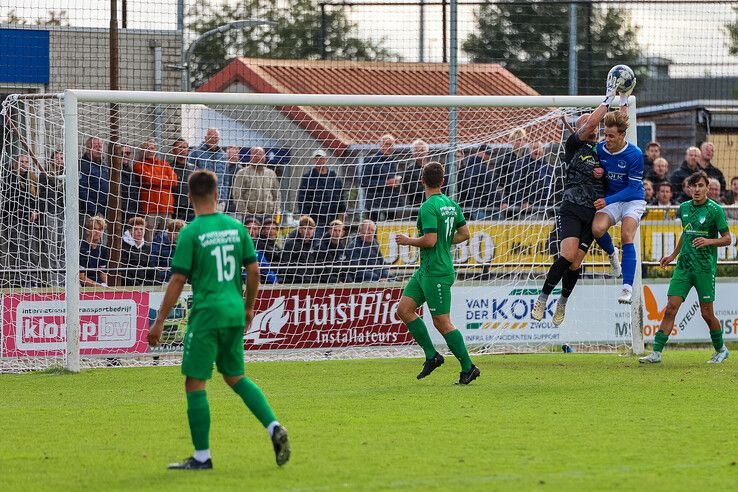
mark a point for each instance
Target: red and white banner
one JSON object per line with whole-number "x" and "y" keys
{"x": 326, "y": 318}
{"x": 111, "y": 323}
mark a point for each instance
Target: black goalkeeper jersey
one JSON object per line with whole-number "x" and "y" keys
{"x": 580, "y": 187}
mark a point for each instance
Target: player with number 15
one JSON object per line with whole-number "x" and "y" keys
{"x": 211, "y": 252}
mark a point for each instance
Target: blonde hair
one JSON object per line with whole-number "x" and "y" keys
{"x": 616, "y": 119}
{"x": 95, "y": 222}
{"x": 518, "y": 134}
{"x": 306, "y": 220}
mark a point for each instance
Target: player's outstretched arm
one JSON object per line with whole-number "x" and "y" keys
{"x": 462, "y": 234}
{"x": 171, "y": 297}
{"x": 598, "y": 114}
{"x": 252, "y": 288}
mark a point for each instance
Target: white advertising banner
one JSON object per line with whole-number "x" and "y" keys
{"x": 497, "y": 314}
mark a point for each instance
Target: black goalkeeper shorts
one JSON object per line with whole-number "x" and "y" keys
{"x": 576, "y": 221}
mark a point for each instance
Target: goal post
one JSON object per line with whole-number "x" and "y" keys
{"x": 310, "y": 307}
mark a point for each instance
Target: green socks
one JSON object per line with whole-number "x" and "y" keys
{"x": 717, "y": 339}
{"x": 198, "y": 414}
{"x": 659, "y": 340}
{"x": 455, "y": 342}
{"x": 255, "y": 400}
{"x": 420, "y": 334}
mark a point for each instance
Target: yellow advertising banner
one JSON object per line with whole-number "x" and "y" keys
{"x": 500, "y": 243}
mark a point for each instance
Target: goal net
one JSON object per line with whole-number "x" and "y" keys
{"x": 93, "y": 194}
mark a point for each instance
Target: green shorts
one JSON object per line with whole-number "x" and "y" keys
{"x": 682, "y": 282}
{"x": 224, "y": 346}
{"x": 435, "y": 291}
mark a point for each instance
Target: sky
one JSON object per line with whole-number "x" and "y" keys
{"x": 691, "y": 34}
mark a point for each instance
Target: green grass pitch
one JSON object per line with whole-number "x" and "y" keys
{"x": 531, "y": 422}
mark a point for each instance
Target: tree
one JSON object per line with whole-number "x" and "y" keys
{"x": 297, "y": 35}
{"x": 532, "y": 41}
{"x": 732, "y": 29}
{"x": 55, "y": 18}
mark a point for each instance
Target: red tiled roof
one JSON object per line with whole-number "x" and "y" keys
{"x": 339, "y": 127}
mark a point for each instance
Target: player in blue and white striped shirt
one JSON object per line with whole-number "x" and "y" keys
{"x": 624, "y": 195}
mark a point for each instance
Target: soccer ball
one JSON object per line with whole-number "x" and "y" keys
{"x": 623, "y": 78}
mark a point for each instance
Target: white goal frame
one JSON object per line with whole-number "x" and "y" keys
{"x": 73, "y": 97}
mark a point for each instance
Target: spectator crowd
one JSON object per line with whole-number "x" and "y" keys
{"x": 153, "y": 206}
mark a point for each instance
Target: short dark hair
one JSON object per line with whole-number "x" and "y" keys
{"x": 695, "y": 178}
{"x": 433, "y": 173}
{"x": 734, "y": 178}
{"x": 653, "y": 143}
{"x": 267, "y": 222}
{"x": 666, "y": 183}
{"x": 203, "y": 184}
{"x": 251, "y": 220}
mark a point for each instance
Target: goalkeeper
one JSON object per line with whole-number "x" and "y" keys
{"x": 582, "y": 187}
{"x": 440, "y": 225}
{"x": 211, "y": 251}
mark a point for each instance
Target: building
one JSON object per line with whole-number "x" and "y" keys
{"x": 350, "y": 134}
{"x": 50, "y": 59}
{"x": 678, "y": 126}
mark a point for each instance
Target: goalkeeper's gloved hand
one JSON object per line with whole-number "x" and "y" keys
{"x": 625, "y": 94}
{"x": 610, "y": 89}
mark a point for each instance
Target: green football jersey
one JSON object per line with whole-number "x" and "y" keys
{"x": 705, "y": 220}
{"x": 441, "y": 215}
{"x": 211, "y": 251}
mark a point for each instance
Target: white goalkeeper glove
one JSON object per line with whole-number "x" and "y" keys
{"x": 610, "y": 89}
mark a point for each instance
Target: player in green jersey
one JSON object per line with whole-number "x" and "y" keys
{"x": 705, "y": 229}
{"x": 440, "y": 225}
{"x": 211, "y": 251}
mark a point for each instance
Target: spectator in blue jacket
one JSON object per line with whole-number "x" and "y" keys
{"x": 381, "y": 182}
{"x": 94, "y": 179}
{"x": 320, "y": 195}
{"x": 477, "y": 190}
{"x": 365, "y": 257}
{"x": 162, "y": 249}
{"x": 211, "y": 157}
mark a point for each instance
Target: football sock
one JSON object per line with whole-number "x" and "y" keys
{"x": 271, "y": 427}
{"x": 605, "y": 243}
{"x": 420, "y": 334}
{"x": 659, "y": 340}
{"x": 568, "y": 281}
{"x": 629, "y": 263}
{"x": 455, "y": 342}
{"x": 555, "y": 272}
{"x": 198, "y": 414}
{"x": 202, "y": 455}
{"x": 255, "y": 400}
{"x": 717, "y": 339}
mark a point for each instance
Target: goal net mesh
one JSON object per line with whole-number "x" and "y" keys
{"x": 323, "y": 191}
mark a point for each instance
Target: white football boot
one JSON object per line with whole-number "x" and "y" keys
{"x": 559, "y": 314}
{"x": 719, "y": 357}
{"x": 652, "y": 358}
{"x": 625, "y": 296}
{"x": 539, "y": 309}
